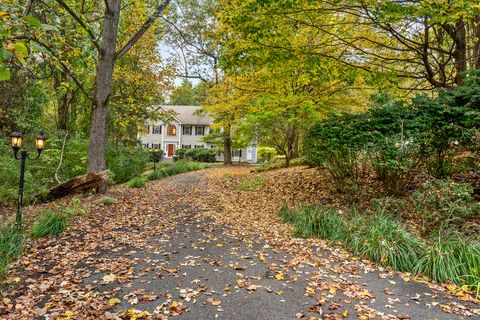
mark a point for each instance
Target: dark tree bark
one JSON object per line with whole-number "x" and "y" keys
{"x": 227, "y": 147}
{"x": 460, "y": 53}
{"x": 104, "y": 77}
{"x": 476, "y": 44}
{"x": 103, "y": 86}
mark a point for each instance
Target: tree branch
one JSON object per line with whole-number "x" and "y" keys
{"x": 80, "y": 22}
{"x": 158, "y": 11}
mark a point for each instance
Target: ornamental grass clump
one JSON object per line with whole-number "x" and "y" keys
{"x": 383, "y": 239}
{"x": 49, "y": 222}
{"x": 12, "y": 241}
{"x": 321, "y": 222}
{"x": 158, "y": 174}
{"x": 451, "y": 257}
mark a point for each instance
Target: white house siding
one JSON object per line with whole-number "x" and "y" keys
{"x": 193, "y": 139}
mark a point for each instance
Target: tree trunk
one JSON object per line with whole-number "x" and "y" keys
{"x": 227, "y": 147}
{"x": 460, "y": 53}
{"x": 102, "y": 89}
{"x": 290, "y": 147}
{"x": 295, "y": 151}
{"x": 476, "y": 43}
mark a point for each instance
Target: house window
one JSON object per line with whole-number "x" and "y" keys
{"x": 171, "y": 130}
{"x": 186, "y": 146}
{"x": 199, "y": 146}
{"x": 187, "y": 130}
{"x": 146, "y": 128}
{"x": 145, "y": 145}
{"x": 157, "y": 129}
{"x": 199, "y": 130}
{"x": 155, "y": 146}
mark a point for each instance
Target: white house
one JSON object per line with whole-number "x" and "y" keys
{"x": 186, "y": 131}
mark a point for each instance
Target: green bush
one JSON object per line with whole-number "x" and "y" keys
{"x": 451, "y": 257}
{"x": 12, "y": 241}
{"x": 319, "y": 222}
{"x": 49, "y": 222}
{"x": 266, "y": 154}
{"x": 382, "y": 239}
{"x": 395, "y": 163}
{"x": 195, "y": 154}
{"x": 137, "y": 182}
{"x": 443, "y": 204}
{"x": 398, "y": 137}
{"x": 126, "y": 162}
{"x": 336, "y": 145}
{"x": 158, "y": 174}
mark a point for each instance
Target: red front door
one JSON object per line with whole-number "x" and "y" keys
{"x": 171, "y": 148}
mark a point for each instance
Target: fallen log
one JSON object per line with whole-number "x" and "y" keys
{"x": 80, "y": 184}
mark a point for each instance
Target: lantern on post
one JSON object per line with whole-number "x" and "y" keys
{"x": 16, "y": 138}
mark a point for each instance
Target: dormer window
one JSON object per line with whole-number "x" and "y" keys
{"x": 171, "y": 130}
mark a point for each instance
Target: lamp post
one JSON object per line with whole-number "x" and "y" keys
{"x": 155, "y": 156}
{"x": 16, "y": 138}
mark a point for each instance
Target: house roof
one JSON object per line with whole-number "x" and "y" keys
{"x": 189, "y": 115}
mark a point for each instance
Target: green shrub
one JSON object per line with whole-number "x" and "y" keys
{"x": 49, "y": 222}
{"x": 266, "y": 154}
{"x": 107, "y": 201}
{"x": 252, "y": 183}
{"x": 382, "y": 239}
{"x": 158, "y": 174}
{"x": 450, "y": 257}
{"x": 12, "y": 241}
{"x": 179, "y": 154}
{"x": 444, "y": 203}
{"x": 319, "y": 222}
{"x": 137, "y": 182}
{"x": 126, "y": 162}
{"x": 336, "y": 145}
{"x": 195, "y": 154}
{"x": 395, "y": 163}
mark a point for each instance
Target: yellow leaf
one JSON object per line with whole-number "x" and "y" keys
{"x": 219, "y": 245}
{"x": 279, "y": 292}
{"x": 345, "y": 314}
{"x": 114, "y": 301}
{"x": 108, "y": 278}
{"x": 332, "y": 290}
{"x": 280, "y": 276}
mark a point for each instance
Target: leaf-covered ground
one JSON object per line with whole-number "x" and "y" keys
{"x": 196, "y": 246}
